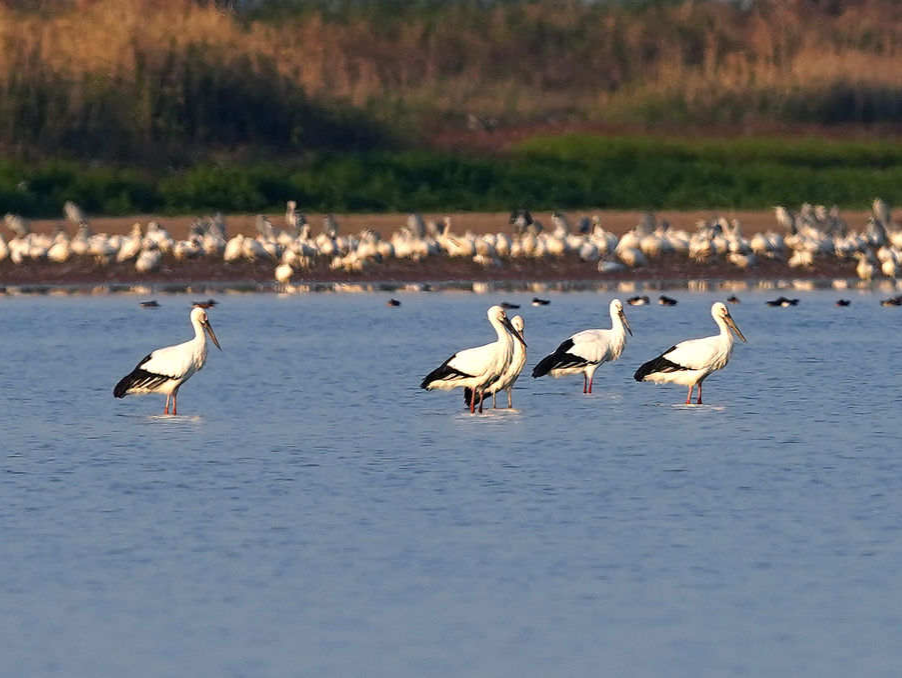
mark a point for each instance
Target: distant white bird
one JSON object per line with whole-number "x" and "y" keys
{"x": 17, "y": 224}
{"x": 294, "y": 219}
{"x": 283, "y": 273}
{"x": 75, "y": 215}
{"x": 690, "y": 362}
{"x": 149, "y": 260}
{"x": 584, "y": 352}
{"x": 511, "y": 374}
{"x": 166, "y": 369}
{"x": 865, "y": 269}
{"x": 477, "y": 368}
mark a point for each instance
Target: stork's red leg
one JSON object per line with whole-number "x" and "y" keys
{"x": 473, "y": 401}
{"x": 166, "y": 409}
{"x": 699, "y": 401}
{"x": 689, "y": 397}
{"x": 175, "y": 400}
{"x": 585, "y": 383}
{"x": 591, "y": 379}
{"x": 481, "y": 398}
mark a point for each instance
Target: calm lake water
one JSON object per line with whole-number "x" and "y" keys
{"x": 312, "y": 512}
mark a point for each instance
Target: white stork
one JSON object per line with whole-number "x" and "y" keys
{"x": 477, "y": 368}
{"x": 166, "y": 369}
{"x": 690, "y": 362}
{"x": 585, "y": 351}
{"x": 511, "y": 374}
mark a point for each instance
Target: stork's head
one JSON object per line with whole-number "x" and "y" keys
{"x": 617, "y": 312}
{"x": 499, "y": 315}
{"x": 720, "y": 312}
{"x": 199, "y": 317}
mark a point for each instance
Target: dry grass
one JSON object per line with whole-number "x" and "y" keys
{"x": 530, "y": 61}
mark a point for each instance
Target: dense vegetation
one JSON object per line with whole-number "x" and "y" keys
{"x": 177, "y": 80}
{"x": 186, "y": 104}
{"x": 544, "y": 173}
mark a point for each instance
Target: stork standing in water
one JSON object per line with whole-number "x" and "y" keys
{"x": 511, "y": 374}
{"x": 477, "y": 368}
{"x": 166, "y": 369}
{"x": 585, "y": 351}
{"x": 690, "y": 362}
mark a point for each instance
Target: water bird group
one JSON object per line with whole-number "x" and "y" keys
{"x": 478, "y": 368}
{"x": 489, "y": 369}
{"x": 510, "y": 375}
{"x": 166, "y": 369}
{"x": 803, "y": 239}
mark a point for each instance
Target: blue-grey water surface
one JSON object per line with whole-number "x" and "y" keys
{"x": 312, "y": 512}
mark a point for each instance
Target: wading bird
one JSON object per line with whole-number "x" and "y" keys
{"x": 585, "y": 351}
{"x": 477, "y": 368}
{"x": 511, "y": 374}
{"x": 166, "y": 369}
{"x": 690, "y": 362}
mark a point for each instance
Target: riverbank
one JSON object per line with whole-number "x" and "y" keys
{"x": 673, "y": 267}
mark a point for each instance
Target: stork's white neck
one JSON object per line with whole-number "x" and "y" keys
{"x": 500, "y": 329}
{"x": 726, "y": 336}
{"x": 199, "y": 334}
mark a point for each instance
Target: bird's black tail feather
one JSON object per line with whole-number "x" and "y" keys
{"x": 544, "y": 366}
{"x": 443, "y": 372}
{"x": 138, "y": 378}
{"x": 659, "y": 364}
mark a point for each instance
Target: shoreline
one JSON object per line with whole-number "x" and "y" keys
{"x": 215, "y": 273}
{"x": 84, "y": 271}
{"x": 249, "y": 277}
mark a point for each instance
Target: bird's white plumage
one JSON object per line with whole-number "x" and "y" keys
{"x": 166, "y": 369}
{"x": 518, "y": 360}
{"x": 478, "y": 367}
{"x": 177, "y": 362}
{"x": 690, "y": 362}
{"x": 584, "y": 352}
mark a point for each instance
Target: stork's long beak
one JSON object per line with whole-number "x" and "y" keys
{"x": 626, "y": 323}
{"x": 209, "y": 328}
{"x": 732, "y": 324}
{"x": 513, "y": 330}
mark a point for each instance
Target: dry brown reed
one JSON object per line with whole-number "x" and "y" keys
{"x": 146, "y": 62}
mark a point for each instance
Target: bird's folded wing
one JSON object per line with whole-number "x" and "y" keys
{"x": 695, "y": 354}
{"x": 590, "y": 345}
{"x": 474, "y": 361}
{"x": 172, "y": 361}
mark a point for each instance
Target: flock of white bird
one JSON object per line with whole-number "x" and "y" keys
{"x": 488, "y": 369}
{"x": 483, "y": 370}
{"x": 800, "y": 239}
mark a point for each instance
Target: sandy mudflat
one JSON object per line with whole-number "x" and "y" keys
{"x": 435, "y": 269}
